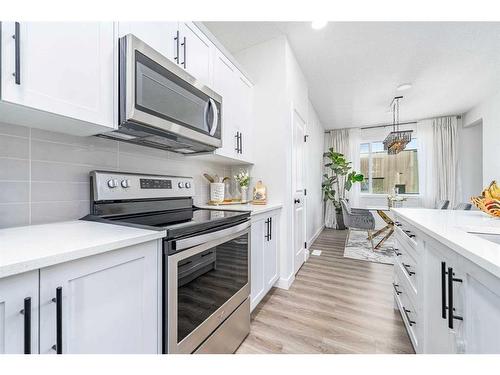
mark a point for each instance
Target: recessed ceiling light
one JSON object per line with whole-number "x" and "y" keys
{"x": 404, "y": 86}
{"x": 316, "y": 25}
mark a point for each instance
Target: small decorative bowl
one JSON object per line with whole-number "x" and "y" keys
{"x": 489, "y": 205}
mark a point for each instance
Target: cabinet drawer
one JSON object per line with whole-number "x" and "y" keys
{"x": 409, "y": 270}
{"x": 405, "y": 243}
{"x": 407, "y": 310}
{"x": 405, "y": 286}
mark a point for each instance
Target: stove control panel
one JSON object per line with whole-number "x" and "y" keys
{"x": 121, "y": 186}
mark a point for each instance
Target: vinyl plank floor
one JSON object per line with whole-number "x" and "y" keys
{"x": 335, "y": 305}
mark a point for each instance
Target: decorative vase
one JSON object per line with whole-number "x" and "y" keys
{"x": 217, "y": 192}
{"x": 244, "y": 194}
{"x": 340, "y": 219}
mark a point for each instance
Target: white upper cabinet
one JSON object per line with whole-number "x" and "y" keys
{"x": 195, "y": 52}
{"x": 237, "y": 105}
{"x": 19, "y": 329}
{"x": 64, "y": 68}
{"x": 159, "y": 35}
{"x": 225, "y": 75}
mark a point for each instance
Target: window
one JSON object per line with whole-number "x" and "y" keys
{"x": 385, "y": 172}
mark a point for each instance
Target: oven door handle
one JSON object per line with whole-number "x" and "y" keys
{"x": 193, "y": 241}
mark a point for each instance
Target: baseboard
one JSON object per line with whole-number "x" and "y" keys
{"x": 285, "y": 283}
{"x": 313, "y": 238}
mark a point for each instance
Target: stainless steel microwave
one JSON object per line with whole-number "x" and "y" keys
{"x": 163, "y": 106}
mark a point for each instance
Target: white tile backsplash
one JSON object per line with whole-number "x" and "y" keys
{"x": 44, "y": 176}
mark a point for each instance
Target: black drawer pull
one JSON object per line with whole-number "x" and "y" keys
{"x": 397, "y": 252}
{"x": 204, "y": 255}
{"x": 443, "y": 290}
{"x": 407, "y": 268}
{"x": 270, "y": 228}
{"x": 395, "y": 286}
{"x": 451, "y": 309}
{"x": 26, "y": 311}
{"x": 410, "y": 322}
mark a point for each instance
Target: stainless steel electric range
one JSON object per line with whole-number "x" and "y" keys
{"x": 206, "y": 261}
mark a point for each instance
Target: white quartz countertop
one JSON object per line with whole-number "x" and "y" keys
{"x": 37, "y": 246}
{"x": 452, "y": 228}
{"x": 253, "y": 208}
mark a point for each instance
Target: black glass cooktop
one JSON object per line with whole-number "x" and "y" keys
{"x": 186, "y": 222}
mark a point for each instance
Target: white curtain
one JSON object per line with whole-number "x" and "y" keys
{"x": 338, "y": 140}
{"x": 353, "y": 155}
{"x": 438, "y": 161}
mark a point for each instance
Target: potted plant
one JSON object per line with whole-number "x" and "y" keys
{"x": 243, "y": 181}
{"x": 339, "y": 180}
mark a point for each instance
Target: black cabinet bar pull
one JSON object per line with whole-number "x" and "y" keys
{"x": 237, "y": 136}
{"x": 410, "y": 322}
{"x": 183, "y": 44}
{"x": 397, "y": 252}
{"x": 58, "y": 300}
{"x": 407, "y": 268}
{"x": 241, "y": 143}
{"x": 451, "y": 309}
{"x": 270, "y": 228}
{"x": 443, "y": 290}
{"x": 266, "y": 236}
{"x": 176, "y": 38}
{"x": 17, "y": 43}
{"x": 26, "y": 311}
{"x": 395, "y": 286}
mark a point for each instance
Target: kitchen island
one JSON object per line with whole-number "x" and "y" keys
{"x": 447, "y": 279}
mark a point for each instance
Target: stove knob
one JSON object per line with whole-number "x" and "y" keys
{"x": 188, "y": 185}
{"x": 125, "y": 184}
{"x": 112, "y": 183}
{"x": 180, "y": 185}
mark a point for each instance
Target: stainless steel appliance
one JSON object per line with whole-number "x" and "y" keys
{"x": 206, "y": 261}
{"x": 161, "y": 105}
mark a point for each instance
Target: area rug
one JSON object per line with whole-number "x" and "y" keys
{"x": 360, "y": 248}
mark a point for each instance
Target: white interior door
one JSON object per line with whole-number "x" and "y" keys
{"x": 299, "y": 130}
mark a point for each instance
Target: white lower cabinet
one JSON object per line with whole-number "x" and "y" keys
{"x": 108, "y": 303}
{"x": 18, "y": 327}
{"x": 264, "y": 255}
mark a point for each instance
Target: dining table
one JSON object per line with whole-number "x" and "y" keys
{"x": 387, "y": 230}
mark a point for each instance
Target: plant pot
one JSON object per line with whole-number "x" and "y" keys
{"x": 340, "y": 219}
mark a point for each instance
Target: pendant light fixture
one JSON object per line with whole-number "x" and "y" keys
{"x": 396, "y": 141}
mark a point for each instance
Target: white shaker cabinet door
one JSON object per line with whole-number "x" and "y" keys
{"x": 244, "y": 112}
{"x": 225, "y": 84}
{"x": 18, "y": 334}
{"x": 482, "y": 312}
{"x": 271, "y": 253}
{"x": 195, "y": 52}
{"x": 109, "y": 303}
{"x": 438, "y": 338}
{"x": 65, "y": 68}
{"x": 162, "y": 36}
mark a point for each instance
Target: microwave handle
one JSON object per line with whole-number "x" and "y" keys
{"x": 215, "y": 123}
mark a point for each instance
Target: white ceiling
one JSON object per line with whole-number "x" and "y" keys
{"x": 353, "y": 68}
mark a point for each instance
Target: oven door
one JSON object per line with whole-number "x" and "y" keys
{"x": 156, "y": 92}
{"x": 205, "y": 284}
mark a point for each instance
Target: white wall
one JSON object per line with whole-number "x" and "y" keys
{"x": 471, "y": 159}
{"x": 314, "y": 175}
{"x": 488, "y": 113}
{"x": 280, "y": 87}
{"x": 266, "y": 64}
